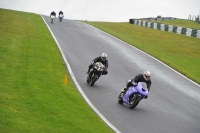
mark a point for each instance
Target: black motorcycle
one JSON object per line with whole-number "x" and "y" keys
{"x": 95, "y": 72}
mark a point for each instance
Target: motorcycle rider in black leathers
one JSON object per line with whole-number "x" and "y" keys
{"x": 103, "y": 60}
{"x": 145, "y": 77}
{"x": 60, "y": 13}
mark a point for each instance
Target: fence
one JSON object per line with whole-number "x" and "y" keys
{"x": 165, "y": 27}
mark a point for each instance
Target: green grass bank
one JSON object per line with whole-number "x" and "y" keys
{"x": 178, "y": 51}
{"x": 33, "y": 98}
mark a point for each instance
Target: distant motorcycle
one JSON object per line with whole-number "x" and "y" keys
{"x": 133, "y": 95}
{"x": 61, "y": 16}
{"x": 95, "y": 72}
{"x": 52, "y": 18}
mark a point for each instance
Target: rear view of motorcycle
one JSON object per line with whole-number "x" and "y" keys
{"x": 133, "y": 95}
{"x": 61, "y": 16}
{"x": 52, "y": 18}
{"x": 95, "y": 72}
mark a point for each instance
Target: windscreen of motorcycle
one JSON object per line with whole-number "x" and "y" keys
{"x": 143, "y": 91}
{"x": 99, "y": 66}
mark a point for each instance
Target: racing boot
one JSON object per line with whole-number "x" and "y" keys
{"x": 88, "y": 71}
{"x": 88, "y": 77}
{"x": 123, "y": 91}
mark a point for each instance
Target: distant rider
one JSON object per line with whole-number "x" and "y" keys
{"x": 60, "y": 13}
{"x": 145, "y": 77}
{"x": 103, "y": 60}
{"x": 52, "y": 16}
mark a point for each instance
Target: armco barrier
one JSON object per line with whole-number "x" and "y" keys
{"x": 165, "y": 27}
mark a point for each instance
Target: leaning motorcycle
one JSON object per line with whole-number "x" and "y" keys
{"x": 95, "y": 72}
{"x": 133, "y": 95}
{"x": 61, "y": 16}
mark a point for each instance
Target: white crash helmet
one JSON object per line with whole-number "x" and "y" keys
{"x": 104, "y": 56}
{"x": 146, "y": 75}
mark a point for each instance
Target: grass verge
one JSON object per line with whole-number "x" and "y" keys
{"x": 33, "y": 98}
{"x": 178, "y": 51}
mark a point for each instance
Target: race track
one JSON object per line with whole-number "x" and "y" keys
{"x": 173, "y": 105}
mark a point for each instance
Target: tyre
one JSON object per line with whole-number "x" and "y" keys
{"x": 89, "y": 76}
{"x": 134, "y": 101}
{"x": 120, "y": 100}
{"x": 93, "y": 80}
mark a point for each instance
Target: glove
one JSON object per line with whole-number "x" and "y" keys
{"x": 105, "y": 72}
{"x": 146, "y": 97}
{"x": 134, "y": 84}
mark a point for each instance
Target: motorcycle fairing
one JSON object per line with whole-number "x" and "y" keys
{"x": 129, "y": 92}
{"x": 138, "y": 89}
{"x": 141, "y": 90}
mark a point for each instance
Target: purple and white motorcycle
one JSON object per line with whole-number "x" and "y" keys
{"x": 133, "y": 95}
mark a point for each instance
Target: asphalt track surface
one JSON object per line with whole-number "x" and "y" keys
{"x": 173, "y": 105}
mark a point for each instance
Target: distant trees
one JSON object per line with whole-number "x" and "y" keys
{"x": 194, "y": 18}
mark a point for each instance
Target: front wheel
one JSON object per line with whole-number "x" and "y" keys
{"x": 93, "y": 80}
{"x": 134, "y": 101}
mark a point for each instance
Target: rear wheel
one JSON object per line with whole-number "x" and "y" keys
{"x": 93, "y": 80}
{"x": 134, "y": 100}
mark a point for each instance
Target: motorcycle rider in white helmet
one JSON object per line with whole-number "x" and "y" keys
{"x": 145, "y": 77}
{"x": 103, "y": 60}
